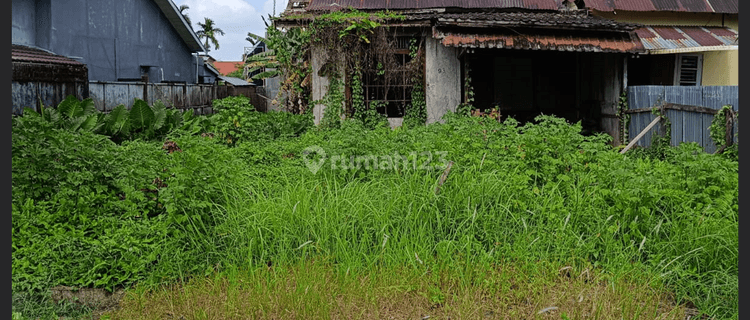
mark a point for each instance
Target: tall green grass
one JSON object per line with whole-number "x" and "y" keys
{"x": 515, "y": 194}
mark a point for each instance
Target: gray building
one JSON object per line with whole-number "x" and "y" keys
{"x": 118, "y": 40}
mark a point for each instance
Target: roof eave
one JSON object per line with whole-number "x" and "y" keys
{"x": 175, "y": 18}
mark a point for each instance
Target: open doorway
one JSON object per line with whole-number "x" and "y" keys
{"x": 576, "y": 86}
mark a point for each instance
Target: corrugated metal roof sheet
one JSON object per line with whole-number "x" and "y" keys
{"x": 237, "y": 82}
{"x": 674, "y": 39}
{"x": 718, "y": 6}
{"x": 35, "y": 55}
{"x": 532, "y": 19}
{"x": 333, "y": 5}
{"x": 615, "y": 42}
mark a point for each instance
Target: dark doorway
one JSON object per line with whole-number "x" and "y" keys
{"x": 525, "y": 84}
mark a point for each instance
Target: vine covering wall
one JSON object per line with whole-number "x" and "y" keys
{"x": 352, "y": 44}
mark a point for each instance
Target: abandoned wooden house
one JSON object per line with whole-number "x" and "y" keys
{"x": 524, "y": 58}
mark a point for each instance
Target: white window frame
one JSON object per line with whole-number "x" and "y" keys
{"x": 678, "y": 68}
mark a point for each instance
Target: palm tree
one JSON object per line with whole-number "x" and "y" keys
{"x": 184, "y": 15}
{"x": 209, "y": 32}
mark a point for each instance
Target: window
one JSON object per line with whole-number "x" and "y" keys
{"x": 688, "y": 69}
{"x": 391, "y": 98}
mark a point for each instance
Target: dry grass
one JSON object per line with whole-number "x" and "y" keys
{"x": 315, "y": 292}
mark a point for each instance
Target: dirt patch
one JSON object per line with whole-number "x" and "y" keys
{"x": 99, "y": 301}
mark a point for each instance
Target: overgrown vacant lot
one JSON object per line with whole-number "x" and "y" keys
{"x": 533, "y": 221}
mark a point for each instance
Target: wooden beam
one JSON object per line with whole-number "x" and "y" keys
{"x": 679, "y": 107}
{"x": 640, "y": 135}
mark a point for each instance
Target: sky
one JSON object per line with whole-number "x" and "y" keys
{"x": 236, "y": 18}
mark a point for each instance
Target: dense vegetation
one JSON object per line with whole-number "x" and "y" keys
{"x": 232, "y": 190}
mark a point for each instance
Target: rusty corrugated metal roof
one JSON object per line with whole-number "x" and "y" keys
{"x": 683, "y": 39}
{"x": 718, "y": 6}
{"x": 615, "y": 42}
{"x": 35, "y": 55}
{"x": 561, "y": 20}
{"x": 333, "y": 5}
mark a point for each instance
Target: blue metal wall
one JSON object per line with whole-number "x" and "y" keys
{"x": 685, "y": 126}
{"x": 114, "y": 38}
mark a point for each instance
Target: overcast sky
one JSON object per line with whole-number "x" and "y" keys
{"x": 236, "y": 18}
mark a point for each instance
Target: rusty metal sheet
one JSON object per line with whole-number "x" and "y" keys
{"x": 335, "y": 5}
{"x": 702, "y": 36}
{"x": 669, "y": 38}
{"x": 725, "y": 6}
{"x": 568, "y": 42}
{"x": 717, "y": 6}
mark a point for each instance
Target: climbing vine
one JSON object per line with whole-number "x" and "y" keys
{"x": 718, "y": 128}
{"x": 663, "y": 140}
{"x": 623, "y": 106}
{"x": 466, "y": 107}
{"x": 416, "y": 112}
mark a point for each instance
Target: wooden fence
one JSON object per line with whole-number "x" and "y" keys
{"x": 690, "y": 110}
{"x": 199, "y": 97}
{"x": 108, "y": 95}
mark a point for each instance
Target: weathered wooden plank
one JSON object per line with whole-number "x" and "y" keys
{"x": 178, "y": 96}
{"x": 679, "y": 107}
{"x": 24, "y": 94}
{"x": 641, "y": 134}
{"x": 46, "y": 93}
{"x": 115, "y": 94}
{"x": 135, "y": 91}
{"x": 96, "y": 93}
{"x": 194, "y": 93}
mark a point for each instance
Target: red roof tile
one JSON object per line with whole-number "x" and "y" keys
{"x": 227, "y": 67}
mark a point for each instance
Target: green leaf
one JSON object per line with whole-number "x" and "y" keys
{"x": 70, "y": 107}
{"x": 266, "y": 74}
{"x": 117, "y": 121}
{"x": 89, "y": 123}
{"x": 141, "y": 115}
{"x": 160, "y": 114}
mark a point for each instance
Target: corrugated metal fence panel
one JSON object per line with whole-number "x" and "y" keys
{"x": 685, "y": 126}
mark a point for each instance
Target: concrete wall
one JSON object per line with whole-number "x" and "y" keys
{"x": 720, "y": 68}
{"x": 319, "y": 83}
{"x": 442, "y": 80}
{"x": 113, "y": 37}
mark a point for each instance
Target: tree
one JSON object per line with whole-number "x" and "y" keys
{"x": 209, "y": 32}
{"x": 184, "y": 15}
